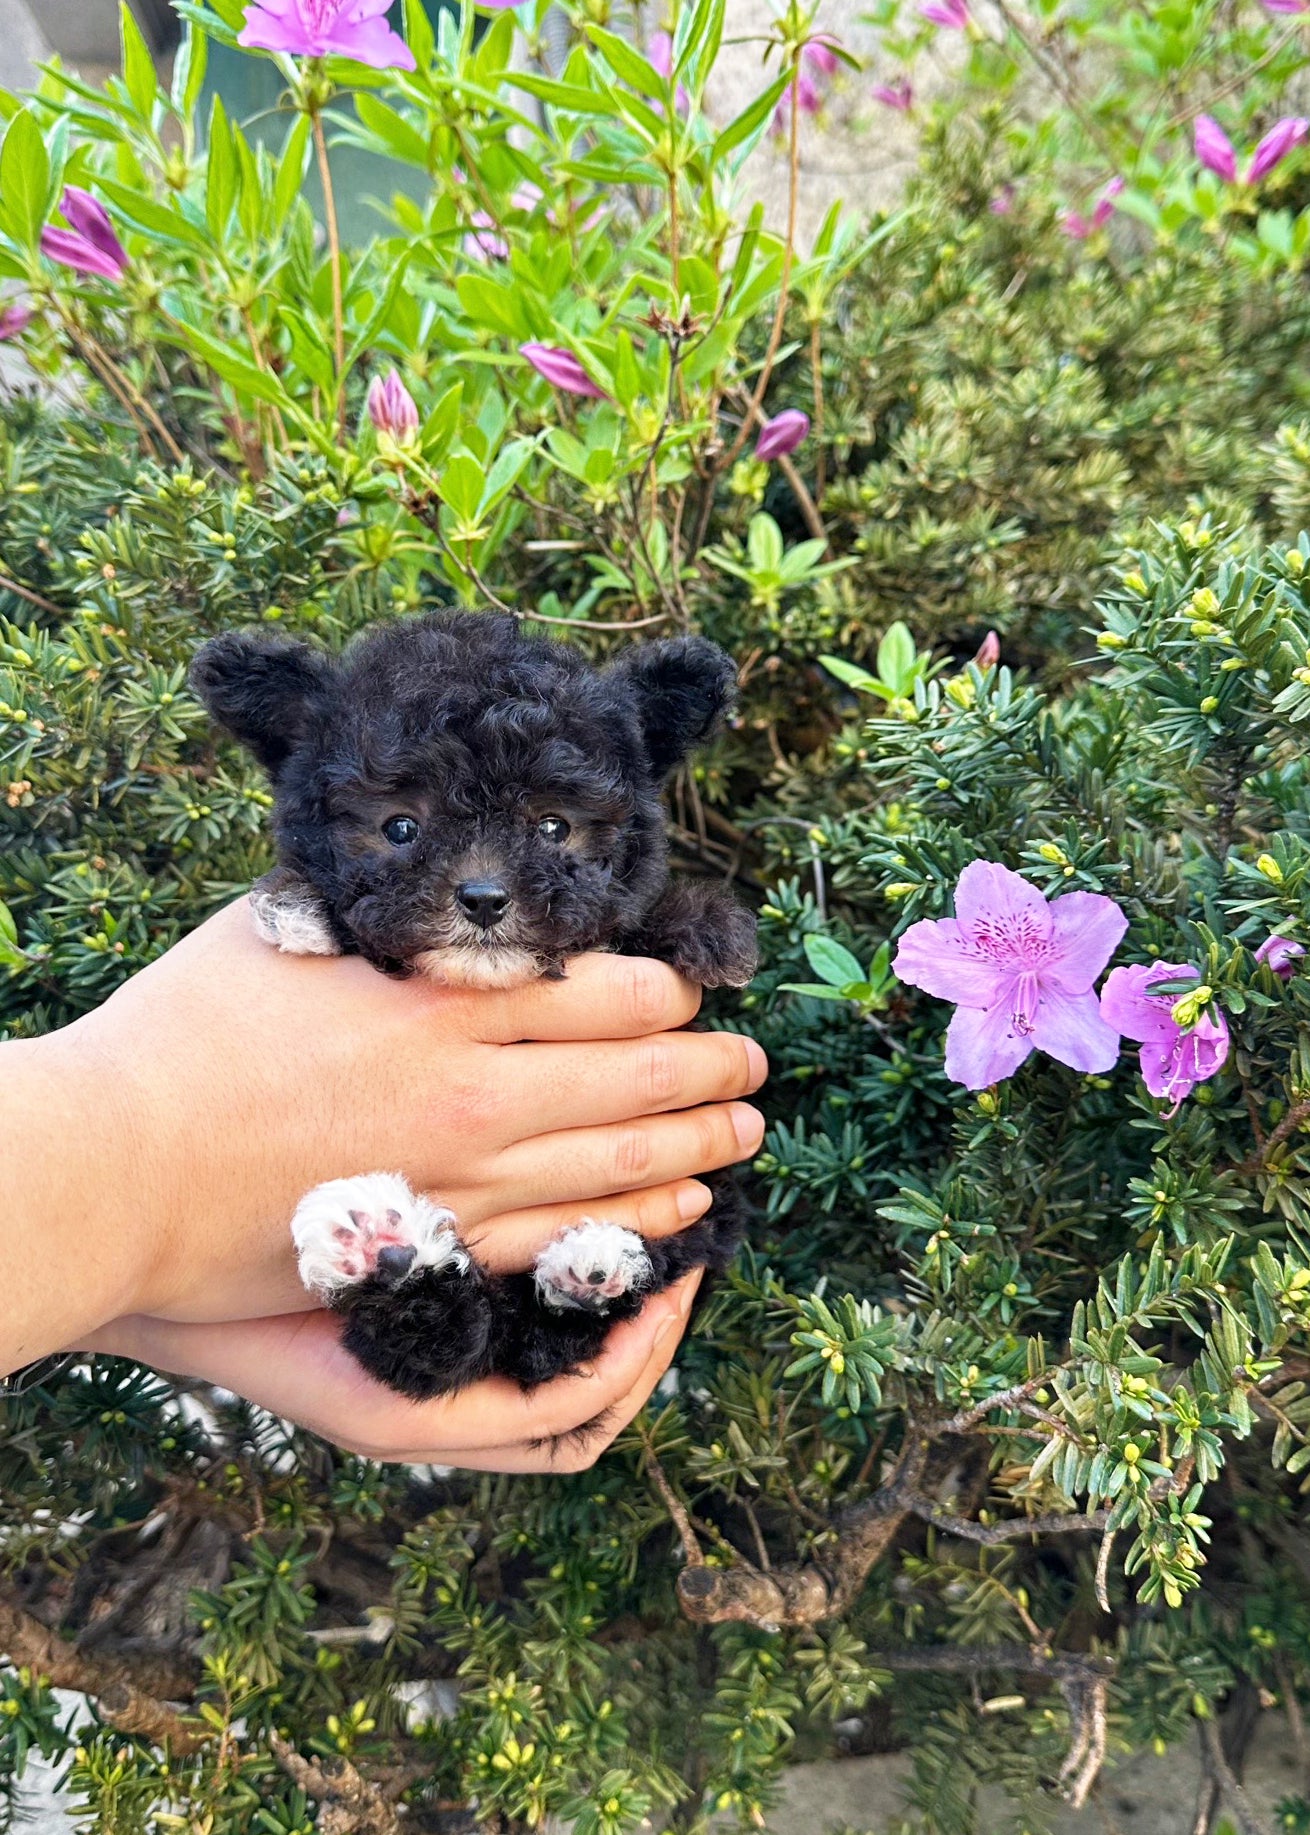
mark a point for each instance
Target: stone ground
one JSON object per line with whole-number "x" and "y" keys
{"x": 859, "y": 152}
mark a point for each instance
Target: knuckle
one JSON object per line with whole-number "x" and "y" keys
{"x": 645, "y": 994}
{"x": 658, "y": 1075}
{"x": 631, "y": 1155}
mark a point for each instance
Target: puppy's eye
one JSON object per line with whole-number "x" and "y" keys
{"x": 400, "y": 831}
{"x": 553, "y": 828}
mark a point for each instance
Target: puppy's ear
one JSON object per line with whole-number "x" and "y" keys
{"x": 264, "y": 690}
{"x": 681, "y": 688}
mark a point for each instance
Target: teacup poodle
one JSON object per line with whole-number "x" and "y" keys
{"x": 456, "y": 799}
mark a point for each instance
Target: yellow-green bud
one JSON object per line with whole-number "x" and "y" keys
{"x": 1270, "y": 868}
{"x": 900, "y": 888}
{"x": 1188, "y": 1010}
{"x": 1205, "y": 602}
{"x": 1132, "y": 1454}
{"x": 1110, "y": 640}
{"x": 1209, "y": 704}
{"x": 1056, "y": 855}
{"x": 1134, "y": 582}
{"x": 1295, "y": 561}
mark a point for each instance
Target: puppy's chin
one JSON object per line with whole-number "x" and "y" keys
{"x": 478, "y": 965}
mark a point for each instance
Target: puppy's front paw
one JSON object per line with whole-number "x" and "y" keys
{"x": 349, "y": 1229}
{"x": 590, "y": 1267}
{"x": 721, "y": 952}
{"x": 290, "y": 915}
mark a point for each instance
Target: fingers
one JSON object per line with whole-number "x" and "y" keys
{"x": 587, "y": 1163}
{"x": 601, "y": 997}
{"x": 295, "y": 1367}
{"x": 510, "y": 1244}
{"x": 587, "y": 1085}
{"x": 579, "y": 1450}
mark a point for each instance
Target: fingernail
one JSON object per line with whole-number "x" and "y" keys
{"x": 687, "y": 1298}
{"x": 747, "y": 1124}
{"x": 693, "y": 1200}
{"x": 759, "y": 1064}
{"x": 671, "y": 1324}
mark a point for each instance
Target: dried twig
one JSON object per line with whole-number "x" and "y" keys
{"x": 1013, "y": 1530}
{"x": 1216, "y": 1764}
{"x": 128, "y": 1695}
{"x": 350, "y": 1804}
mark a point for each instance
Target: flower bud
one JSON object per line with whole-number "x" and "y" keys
{"x": 1110, "y": 640}
{"x": 1209, "y": 704}
{"x": 393, "y": 411}
{"x": 1186, "y": 1011}
{"x": 1205, "y": 602}
{"x": 1295, "y": 561}
{"x": 1134, "y": 582}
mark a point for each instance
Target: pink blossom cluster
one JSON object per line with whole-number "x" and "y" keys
{"x": 1216, "y": 151}
{"x": 1079, "y": 227}
{"x": 1022, "y": 973}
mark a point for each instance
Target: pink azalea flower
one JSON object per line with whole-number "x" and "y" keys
{"x": 782, "y": 434}
{"x": 14, "y": 320}
{"x": 1076, "y": 227}
{"x": 898, "y": 95}
{"x": 660, "y": 53}
{"x": 821, "y": 55}
{"x": 952, "y": 13}
{"x": 1003, "y": 203}
{"x": 1276, "y": 145}
{"x": 326, "y": 28}
{"x": 90, "y": 246}
{"x": 1288, "y": 6}
{"x": 561, "y": 369}
{"x": 1021, "y": 972}
{"x": 1214, "y": 149}
{"x": 1105, "y": 203}
{"x": 1174, "y": 1058}
{"x": 1280, "y": 953}
{"x": 808, "y": 100}
{"x": 391, "y": 408}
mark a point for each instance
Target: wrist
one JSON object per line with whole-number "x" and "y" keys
{"x": 76, "y": 1234}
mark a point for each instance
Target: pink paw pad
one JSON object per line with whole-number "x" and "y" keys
{"x": 351, "y": 1230}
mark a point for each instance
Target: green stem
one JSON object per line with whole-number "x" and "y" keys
{"x": 334, "y": 254}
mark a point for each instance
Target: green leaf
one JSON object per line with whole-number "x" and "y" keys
{"x": 418, "y": 33}
{"x": 764, "y": 542}
{"x": 626, "y": 62}
{"x": 221, "y": 172}
{"x": 832, "y": 962}
{"x": 291, "y": 169}
{"x": 138, "y": 65}
{"x": 462, "y": 484}
{"x": 24, "y": 181}
{"x": 238, "y": 370}
{"x": 851, "y": 674}
{"x": 393, "y": 133}
{"x": 189, "y": 66}
{"x": 750, "y": 121}
{"x": 897, "y": 658}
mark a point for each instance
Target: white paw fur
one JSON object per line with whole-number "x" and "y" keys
{"x": 592, "y": 1265}
{"x": 339, "y": 1229}
{"x": 293, "y": 920}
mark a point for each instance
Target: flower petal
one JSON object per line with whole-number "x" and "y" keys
{"x": 272, "y": 27}
{"x": 1086, "y": 929}
{"x": 1128, "y": 1005}
{"x": 990, "y": 897}
{"x": 74, "y": 251}
{"x": 935, "y": 955}
{"x": 984, "y": 1047}
{"x": 1069, "y": 1028}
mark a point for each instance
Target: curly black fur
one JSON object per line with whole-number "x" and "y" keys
{"x": 483, "y": 740}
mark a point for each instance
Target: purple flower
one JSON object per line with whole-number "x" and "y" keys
{"x": 14, "y": 320}
{"x": 561, "y": 369}
{"x": 90, "y": 246}
{"x": 1003, "y": 203}
{"x": 485, "y": 239}
{"x": 1021, "y": 973}
{"x": 808, "y": 100}
{"x": 1214, "y": 149}
{"x": 1075, "y": 226}
{"x": 1276, "y": 145}
{"x": 1279, "y": 953}
{"x": 1287, "y": 6}
{"x": 660, "y": 53}
{"x": 898, "y": 95}
{"x": 821, "y": 55}
{"x": 392, "y": 408}
{"x": 1105, "y": 203}
{"x": 952, "y": 13}
{"x": 782, "y": 434}
{"x": 326, "y": 28}
{"x": 1175, "y": 1055}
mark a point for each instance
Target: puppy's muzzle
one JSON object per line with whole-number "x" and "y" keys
{"x": 483, "y": 901}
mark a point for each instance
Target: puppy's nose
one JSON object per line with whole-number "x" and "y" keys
{"x": 483, "y": 900}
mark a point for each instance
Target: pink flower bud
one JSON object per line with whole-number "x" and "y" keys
{"x": 1214, "y": 149}
{"x": 660, "y": 53}
{"x": 1276, "y": 145}
{"x": 392, "y": 408}
{"x": 820, "y": 54}
{"x": 1288, "y": 6}
{"x": 898, "y": 95}
{"x": 782, "y": 434}
{"x": 1105, "y": 203}
{"x": 90, "y": 246}
{"x": 561, "y": 369}
{"x": 989, "y": 652}
{"x": 1279, "y": 953}
{"x": 14, "y": 320}
{"x": 951, "y": 13}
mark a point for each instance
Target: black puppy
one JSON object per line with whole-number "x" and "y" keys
{"x": 456, "y": 799}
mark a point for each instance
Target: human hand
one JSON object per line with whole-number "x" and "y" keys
{"x": 295, "y": 1367}
{"x": 230, "y": 1079}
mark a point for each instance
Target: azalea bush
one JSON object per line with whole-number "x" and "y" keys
{"x": 994, "y": 1442}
